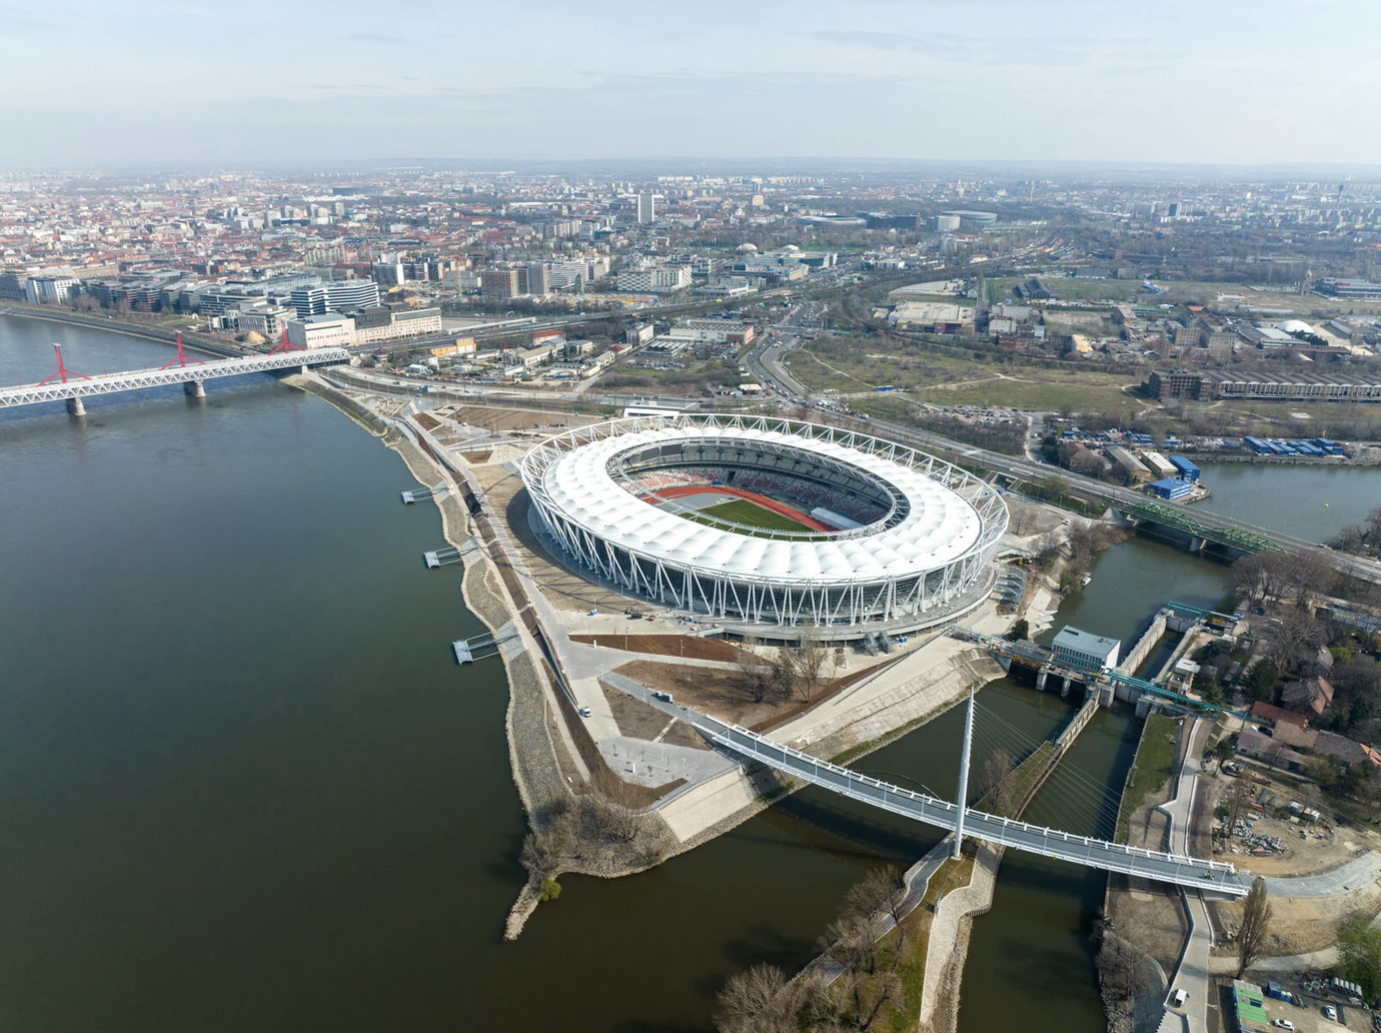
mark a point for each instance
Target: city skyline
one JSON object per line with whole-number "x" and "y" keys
{"x": 1060, "y": 81}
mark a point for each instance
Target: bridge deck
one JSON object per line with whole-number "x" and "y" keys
{"x": 1214, "y": 876}
{"x": 109, "y": 383}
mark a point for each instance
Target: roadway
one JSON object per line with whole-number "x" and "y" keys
{"x": 1019, "y": 835}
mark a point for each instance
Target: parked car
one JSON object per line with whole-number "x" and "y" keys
{"x": 1283, "y": 1024}
{"x": 1330, "y": 1013}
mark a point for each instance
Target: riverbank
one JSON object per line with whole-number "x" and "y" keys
{"x": 191, "y": 340}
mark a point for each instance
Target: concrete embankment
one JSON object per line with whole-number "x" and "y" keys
{"x": 190, "y": 340}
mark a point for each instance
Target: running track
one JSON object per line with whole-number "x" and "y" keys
{"x": 780, "y": 508}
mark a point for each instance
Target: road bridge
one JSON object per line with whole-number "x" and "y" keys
{"x": 70, "y": 386}
{"x": 1214, "y": 876}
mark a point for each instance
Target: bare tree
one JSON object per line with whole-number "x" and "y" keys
{"x": 881, "y": 894}
{"x": 1256, "y": 922}
{"x": 1288, "y": 634}
{"x": 991, "y": 780}
{"x": 755, "y": 675}
{"x": 1238, "y": 799}
{"x": 809, "y": 661}
{"x": 761, "y": 1000}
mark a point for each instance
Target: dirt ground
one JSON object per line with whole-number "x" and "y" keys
{"x": 1300, "y": 925}
{"x": 1151, "y": 916}
{"x": 637, "y": 720}
{"x": 1324, "y": 848}
{"x": 1147, "y": 914}
{"x": 689, "y": 646}
{"x": 1031, "y": 518}
{"x": 495, "y": 418}
{"x": 721, "y": 693}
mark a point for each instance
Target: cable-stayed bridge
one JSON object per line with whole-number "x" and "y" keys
{"x": 1213, "y": 876}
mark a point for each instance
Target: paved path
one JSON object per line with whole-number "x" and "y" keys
{"x": 1354, "y": 874}
{"x": 1194, "y": 970}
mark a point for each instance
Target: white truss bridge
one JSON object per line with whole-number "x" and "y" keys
{"x": 74, "y": 385}
{"x": 1210, "y": 876}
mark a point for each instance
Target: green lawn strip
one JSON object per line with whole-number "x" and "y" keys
{"x": 742, "y": 511}
{"x": 1155, "y": 763}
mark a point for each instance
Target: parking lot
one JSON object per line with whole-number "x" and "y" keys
{"x": 1308, "y": 1017}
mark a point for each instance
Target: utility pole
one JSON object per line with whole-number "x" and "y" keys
{"x": 962, "y": 799}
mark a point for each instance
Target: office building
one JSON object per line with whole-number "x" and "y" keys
{"x": 647, "y": 207}
{"x": 321, "y": 331}
{"x": 499, "y": 283}
{"x": 657, "y": 280}
{"x": 334, "y": 296}
{"x": 50, "y": 290}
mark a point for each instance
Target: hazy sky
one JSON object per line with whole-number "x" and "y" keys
{"x": 1220, "y": 81}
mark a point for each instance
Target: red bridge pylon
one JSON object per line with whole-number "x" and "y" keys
{"x": 285, "y": 346}
{"x": 62, "y": 371}
{"x": 181, "y": 359}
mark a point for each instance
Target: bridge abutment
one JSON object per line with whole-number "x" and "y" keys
{"x": 75, "y": 407}
{"x": 194, "y": 389}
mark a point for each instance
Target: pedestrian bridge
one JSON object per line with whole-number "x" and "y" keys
{"x": 71, "y": 385}
{"x": 1213, "y": 876}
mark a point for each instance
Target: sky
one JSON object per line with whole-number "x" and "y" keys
{"x": 87, "y": 84}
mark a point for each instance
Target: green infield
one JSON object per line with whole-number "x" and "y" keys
{"x": 750, "y": 514}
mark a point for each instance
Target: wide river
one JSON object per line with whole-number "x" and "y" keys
{"x": 243, "y": 785}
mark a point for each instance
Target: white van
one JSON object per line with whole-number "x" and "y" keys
{"x": 1180, "y": 997}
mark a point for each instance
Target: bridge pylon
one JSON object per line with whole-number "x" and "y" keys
{"x": 62, "y": 372}
{"x": 182, "y": 359}
{"x": 962, "y": 799}
{"x": 285, "y": 346}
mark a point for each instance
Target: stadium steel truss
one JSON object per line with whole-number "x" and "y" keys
{"x": 926, "y": 549}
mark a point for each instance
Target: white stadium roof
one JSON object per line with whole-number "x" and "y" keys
{"x": 940, "y": 528}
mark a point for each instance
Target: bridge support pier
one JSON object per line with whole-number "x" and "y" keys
{"x": 1064, "y": 689}
{"x": 75, "y": 407}
{"x": 1041, "y": 675}
{"x": 1196, "y": 544}
{"x": 194, "y": 389}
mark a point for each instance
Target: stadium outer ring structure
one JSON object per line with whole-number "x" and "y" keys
{"x": 781, "y": 604}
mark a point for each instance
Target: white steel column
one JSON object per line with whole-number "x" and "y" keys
{"x": 962, "y": 799}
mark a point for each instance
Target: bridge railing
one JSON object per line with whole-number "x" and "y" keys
{"x": 742, "y": 739}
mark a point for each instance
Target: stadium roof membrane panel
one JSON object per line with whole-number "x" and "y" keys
{"x": 941, "y": 526}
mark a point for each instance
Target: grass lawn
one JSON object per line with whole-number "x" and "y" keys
{"x": 946, "y": 379}
{"x": 741, "y": 511}
{"x": 1155, "y": 763}
{"x": 1040, "y": 389}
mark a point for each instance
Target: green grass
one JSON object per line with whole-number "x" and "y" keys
{"x": 1041, "y": 389}
{"x": 1155, "y": 763}
{"x": 750, "y": 514}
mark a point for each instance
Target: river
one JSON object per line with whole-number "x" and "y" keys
{"x": 1310, "y": 502}
{"x": 243, "y": 784}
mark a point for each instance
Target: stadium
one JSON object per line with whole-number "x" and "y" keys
{"x": 768, "y": 525}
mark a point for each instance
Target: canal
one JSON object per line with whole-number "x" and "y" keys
{"x": 243, "y": 784}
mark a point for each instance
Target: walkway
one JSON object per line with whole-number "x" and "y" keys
{"x": 1053, "y": 843}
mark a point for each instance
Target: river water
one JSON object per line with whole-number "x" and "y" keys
{"x": 242, "y": 783}
{"x": 1309, "y": 502}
